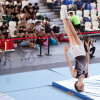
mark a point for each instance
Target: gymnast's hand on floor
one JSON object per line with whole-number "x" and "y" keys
{"x": 65, "y": 48}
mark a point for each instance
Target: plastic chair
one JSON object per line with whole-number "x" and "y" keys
{"x": 93, "y": 5}
{"x": 79, "y": 13}
{"x": 93, "y": 12}
{"x": 12, "y": 24}
{"x": 94, "y": 18}
{"x": 86, "y": 13}
{"x": 12, "y": 28}
{"x": 95, "y": 25}
{"x": 88, "y": 26}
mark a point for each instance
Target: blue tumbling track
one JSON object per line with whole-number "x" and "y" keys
{"x": 71, "y": 91}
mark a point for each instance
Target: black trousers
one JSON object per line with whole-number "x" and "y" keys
{"x": 92, "y": 50}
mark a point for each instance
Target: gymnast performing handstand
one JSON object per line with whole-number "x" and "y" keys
{"x": 81, "y": 69}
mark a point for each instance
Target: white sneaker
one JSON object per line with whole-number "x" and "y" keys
{"x": 66, "y": 14}
{"x": 63, "y": 7}
{"x": 62, "y": 14}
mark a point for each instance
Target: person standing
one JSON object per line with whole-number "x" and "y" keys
{"x": 76, "y": 23}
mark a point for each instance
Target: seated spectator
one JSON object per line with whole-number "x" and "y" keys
{"x": 26, "y": 8}
{"x": 36, "y": 8}
{"x": 68, "y": 2}
{"x": 87, "y": 4}
{"x": 9, "y": 8}
{"x": 31, "y": 30}
{"x": 33, "y": 19}
{"x": 76, "y": 23}
{"x": 38, "y": 28}
{"x": 15, "y": 14}
{"x": 19, "y": 7}
{"x": 1, "y": 11}
{"x": 80, "y": 5}
{"x": 48, "y": 29}
{"x": 30, "y": 13}
{"x": 4, "y": 29}
{"x": 27, "y": 42}
{"x": 21, "y": 28}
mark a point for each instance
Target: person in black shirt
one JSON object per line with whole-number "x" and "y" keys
{"x": 9, "y": 8}
{"x": 36, "y": 8}
{"x": 4, "y": 29}
{"x": 30, "y": 13}
{"x": 18, "y": 7}
{"x": 15, "y": 14}
{"x": 26, "y": 8}
{"x": 92, "y": 49}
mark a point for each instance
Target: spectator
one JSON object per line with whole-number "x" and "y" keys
{"x": 89, "y": 41}
{"x": 1, "y": 9}
{"x": 21, "y": 28}
{"x": 30, "y": 14}
{"x": 76, "y": 23}
{"x": 15, "y": 14}
{"x": 9, "y": 8}
{"x": 27, "y": 42}
{"x": 31, "y": 30}
{"x": 87, "y": 4}
{"x": 26, "y": 8}
{"x": 19, "y": 7}
{"x": 36, "y": 8}
{"x": 34, "y": 20}
{"x": 68, "y": 2}
{"x": 80, "y": 5}
{"x": 48, "y": 29}
{"x": 4, "y": 29}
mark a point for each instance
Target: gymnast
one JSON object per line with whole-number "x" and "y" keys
{"x": 81, "y": 69}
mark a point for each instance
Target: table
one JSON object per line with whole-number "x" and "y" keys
{"x": 6, "y": 55}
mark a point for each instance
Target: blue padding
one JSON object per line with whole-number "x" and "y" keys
{"x": 27, "y": 80}
{"x": 71, "y": 91}
{"x": 42, "y": 93}
{"x": 94, "y": 69}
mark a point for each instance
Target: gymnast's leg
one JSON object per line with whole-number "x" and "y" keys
{"x": 77, "y": 39}
{"x": 69, "y": 33}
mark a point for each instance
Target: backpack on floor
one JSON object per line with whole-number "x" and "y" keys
{"x": 61, "y": 37}
{"x": 52, "y": 41}
{"x": 40, "y": 17}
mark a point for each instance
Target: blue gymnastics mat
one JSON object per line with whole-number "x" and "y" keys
{"x": 91, "y": 90}
{"x": 94, "y": 69}
{"x": 27, "y": 80}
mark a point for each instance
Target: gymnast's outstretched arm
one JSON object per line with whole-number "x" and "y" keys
{"x": 73, "y": 72}
{"x": 88, "y": 56}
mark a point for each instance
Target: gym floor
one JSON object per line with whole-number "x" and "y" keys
{"x": 33, "y": 79}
